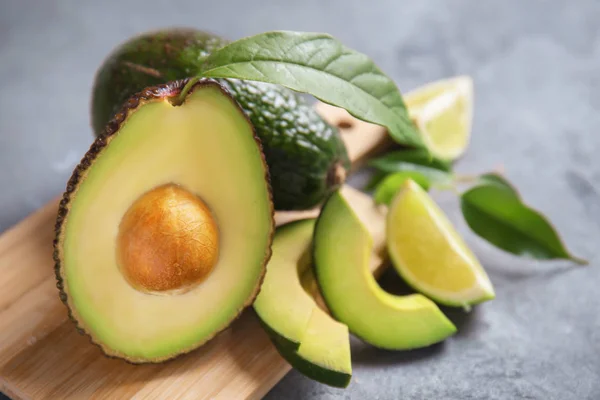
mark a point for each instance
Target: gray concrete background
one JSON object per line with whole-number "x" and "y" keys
{"x": 536, "y": 69}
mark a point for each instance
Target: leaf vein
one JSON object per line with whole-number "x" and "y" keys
{"x": 286, "y": 65}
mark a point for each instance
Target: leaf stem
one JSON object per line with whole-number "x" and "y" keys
{"x": 466, "y": 178}
{"x": 445, "y": 186}
{"x": 184, "y": 92}
{"x": 578, "y": 260}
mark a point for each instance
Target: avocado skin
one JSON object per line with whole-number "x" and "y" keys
{"x": 288, "y": 351}
{"x": 305, "y": 154}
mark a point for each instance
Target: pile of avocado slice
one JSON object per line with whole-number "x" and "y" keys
{"x": 341, "y": 248}
{"x": 165, "y": 232}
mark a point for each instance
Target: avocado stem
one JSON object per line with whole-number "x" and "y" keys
{"x": 177, "y": 101}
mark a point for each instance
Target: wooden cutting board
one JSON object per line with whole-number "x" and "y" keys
{"x": 43, "y": 357}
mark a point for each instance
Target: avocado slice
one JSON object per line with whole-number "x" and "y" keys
{"x": 306, "y": 156}
{"x": 324, "y": 354}
{"x": 373, "y": 217}
{"x": 165, "y": 228}
{"x": 307, "y": 337}
{"x": 282, "y": 303}
{"x": 342, "y": 254}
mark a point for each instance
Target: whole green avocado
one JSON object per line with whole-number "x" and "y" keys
{"x": 307, "y": 158}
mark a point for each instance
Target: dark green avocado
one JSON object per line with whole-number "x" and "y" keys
{"x": 306, "y": 157}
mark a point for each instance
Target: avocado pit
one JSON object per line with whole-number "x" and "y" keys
{"x": 168, "y": 241}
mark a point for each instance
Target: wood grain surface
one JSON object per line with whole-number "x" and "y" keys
{"x": 43, "y": 357}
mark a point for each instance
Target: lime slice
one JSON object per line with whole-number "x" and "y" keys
{"x": 429, "y": 254}
{"x": 443, "y": 112}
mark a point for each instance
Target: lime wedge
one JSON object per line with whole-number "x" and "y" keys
{"x": 443, "y": 111}
{"x": 429, "y": 254}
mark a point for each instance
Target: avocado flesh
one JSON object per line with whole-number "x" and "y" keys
{"x": 307, "y": 337}
{"x": 205, "y": 145}
{"x": 306, "y": 156}
{"x": 282, "y": 303}
{"x": 373, "y": 217}
{"x": 342, "y": 253}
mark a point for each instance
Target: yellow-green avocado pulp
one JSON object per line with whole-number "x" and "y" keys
{"x": 206, "y": 147}
{"x": 342, "y": 251}
{"x": 305, "y": 335}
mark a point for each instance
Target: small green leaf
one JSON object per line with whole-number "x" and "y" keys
{"x": 434, "y": 175}
{"x": 412, "y": 156}
{"x": 386, "y": 191}
{"x": 318, "y": 64}
{"x": 375, "y": 180}
{"x": 498, "y": 215}
{"x": 494, "y": 178}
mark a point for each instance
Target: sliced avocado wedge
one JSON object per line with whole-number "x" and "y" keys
{"x": 342, "y": 254}
{"x": 282, "y": 303}
{"x": 373, "y": 217}
{"x": 324, "y": 354}
{"x": 156, "y": 251}
{"x": 307, "y": 337}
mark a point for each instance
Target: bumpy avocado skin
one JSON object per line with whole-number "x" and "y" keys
{"x": 305, "y": 154}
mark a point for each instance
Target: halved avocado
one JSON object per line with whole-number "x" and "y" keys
{"x": 342, "y": 254}
{"x": 165, "y": 228}
{"x": 307, "y": 337}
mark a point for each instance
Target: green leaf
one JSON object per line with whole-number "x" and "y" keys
{"x": 318, "y": 64}
{"x": 434, "y": 175}
{"x": 498, "y": 215}
{"x": 494, "y": 178}
{"x": 386, "y": 191}
{"x": 413, "y": 156}
{"x": 375, "y": 180}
